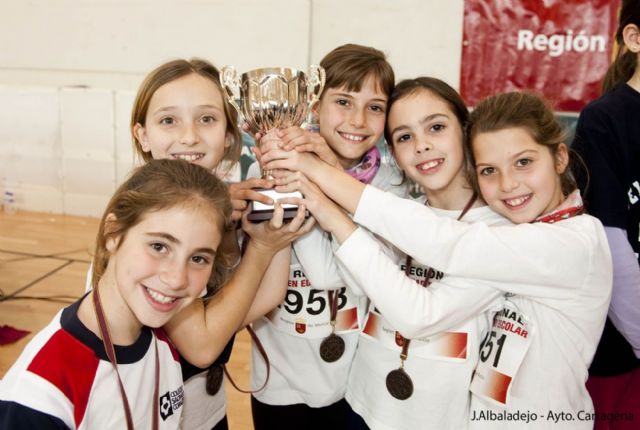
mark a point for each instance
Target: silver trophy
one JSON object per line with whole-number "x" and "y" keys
{"x": 272, "y": 98}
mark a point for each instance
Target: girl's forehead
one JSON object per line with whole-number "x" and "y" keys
{"x": 504, "y": 142}
{"x": 185, "y": 221}
{"x": 372, "y": 86}
{"x": 195, "y": 206}
{"x": 421, "y": 103}
{"x": 193, "y": 86}
{"x": 425, "y": 96}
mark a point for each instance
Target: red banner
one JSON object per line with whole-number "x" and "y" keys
{"x": 561, "y": 48}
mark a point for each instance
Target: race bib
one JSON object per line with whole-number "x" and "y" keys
{"x": 449, "y": 346}
{"x": 306, "y": 311}
{"x": 502, "y": 352}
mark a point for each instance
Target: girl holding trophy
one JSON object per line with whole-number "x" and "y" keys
{"x": 311, "y": 337}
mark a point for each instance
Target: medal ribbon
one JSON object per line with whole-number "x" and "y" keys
{"x": 256, "y": 341}
{"x": 111, "y": 354}
{"x": 333, "y": 306}
{"x": 405, "y": 351}
{"x": 265, "y": 357}
{"x": 406, "y": 342}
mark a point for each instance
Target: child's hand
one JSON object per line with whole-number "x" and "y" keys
{"x": 280, "y": 160}
{"x": 245, "y": 127}
{"x": 330, "y": 216}
{"x": 305, "y": 141}
{"x": 270, "y": 236}
{"x": 242, "y": 192}
{"x": 256, "y": 137}
{"x": 269, "y": 142}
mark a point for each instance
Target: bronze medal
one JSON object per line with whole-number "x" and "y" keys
{"x": 399, "y": 384}
{"x": 332, "y": 348}
{"x": 215, "y": 376}
{"x": 398, "y": 381}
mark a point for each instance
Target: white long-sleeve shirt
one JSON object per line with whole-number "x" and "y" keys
{"x": 292, "y": 337}
{"x": 560, "y": 274}
{"x": 441, "y": 376}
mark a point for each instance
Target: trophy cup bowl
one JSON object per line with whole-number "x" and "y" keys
{"x": 268, "y": 99}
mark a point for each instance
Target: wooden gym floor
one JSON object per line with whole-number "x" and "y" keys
{"x": 44, "y": 255}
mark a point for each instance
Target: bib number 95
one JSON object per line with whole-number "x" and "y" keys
{"x": 314, "y": 303}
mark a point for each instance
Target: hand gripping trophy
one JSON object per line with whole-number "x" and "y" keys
{"x": 272, "y": 98}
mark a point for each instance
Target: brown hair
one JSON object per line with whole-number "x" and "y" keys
{"x": 440, "y": 89}
{"x": 625, "y": 63}
{"x": 169, "y": 72}
{"x": 350, "y": 65}
{"x": 523, "y": 110}
{"x": 159, "y": 185}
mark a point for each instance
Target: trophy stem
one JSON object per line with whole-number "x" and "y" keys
{"x": 268, "y": 173}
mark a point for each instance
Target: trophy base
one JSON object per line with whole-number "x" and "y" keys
{"x": 260, "y": 212}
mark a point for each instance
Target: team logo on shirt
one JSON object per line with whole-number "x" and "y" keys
{"x": 171, "y": 401}
{"x": 165, "y": 406}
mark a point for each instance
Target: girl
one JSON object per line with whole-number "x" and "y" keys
{"x": 308, "y": 380}
{"x": 555, "y": 266}
{"x": 607, "y": 139}
{"x": 157, "y": 248}
{"x": 425, "y": 129}
{"x": 180, "y": 113}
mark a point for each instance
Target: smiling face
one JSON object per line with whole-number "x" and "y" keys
{"x": 352, "y": 122}
{"x": 518, "y": 177}
{"x": 186, "y": 120}
{"x": 163, "y": 263}
{"x": 426, "y": 138}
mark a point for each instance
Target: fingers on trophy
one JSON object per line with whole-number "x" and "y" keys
{"x": 268, "y": 99}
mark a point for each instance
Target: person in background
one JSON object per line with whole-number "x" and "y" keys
{"x": 608, "y": 140}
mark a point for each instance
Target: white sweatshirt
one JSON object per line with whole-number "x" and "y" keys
{"x": 444, "y": 347}
{"x": 292, "y": 336}
{"x": 559, "y": 276}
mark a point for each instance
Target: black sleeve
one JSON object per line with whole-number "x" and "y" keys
{"x": 225, "y": 355}
{"x": 189, "y": 370}
{"x": 14, "y": 416}
{"x": 598, "y": 146}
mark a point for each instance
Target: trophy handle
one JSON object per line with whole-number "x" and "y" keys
{"x": 229, "y": 81}
{"x": 316, "y": 81}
